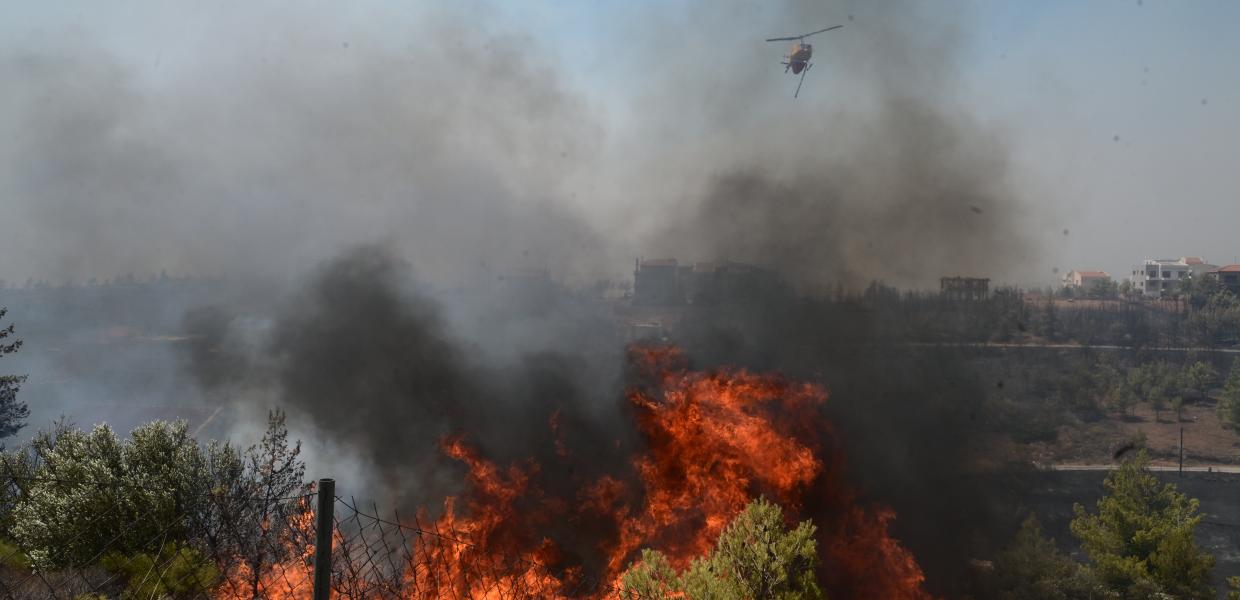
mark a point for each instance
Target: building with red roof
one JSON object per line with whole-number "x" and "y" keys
{"x": 1228, "y": 276}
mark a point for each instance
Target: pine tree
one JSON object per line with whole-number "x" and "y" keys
{"x": 1141, "y": 537}
{"x": 1229, "y": 403}
{"x": 1200, "y": 377}
{"x": 1032, "y": 568}
{"x": 13, "y": 412}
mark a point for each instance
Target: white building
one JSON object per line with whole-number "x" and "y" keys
{"x": 1158, "y": 277}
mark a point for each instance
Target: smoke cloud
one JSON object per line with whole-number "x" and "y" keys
{"x": 876, "y": 172}
{"x": 369, "y": 359}
{"x": 370, "y": 203}
{"x": 466, "y": 148}
{"x": 266, "y": 160}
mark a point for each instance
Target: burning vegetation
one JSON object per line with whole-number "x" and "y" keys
{"x": 713, "y": 442}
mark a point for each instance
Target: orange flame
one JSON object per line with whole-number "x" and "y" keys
{"x": 713, "y": 441}
{"x": 288, "y": 579}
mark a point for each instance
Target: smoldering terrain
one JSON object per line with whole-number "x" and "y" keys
{"x": 364, "y": 209}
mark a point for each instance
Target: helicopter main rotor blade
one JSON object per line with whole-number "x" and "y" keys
{"x": 800, "y": 37}
{"x": 822, "y": 30}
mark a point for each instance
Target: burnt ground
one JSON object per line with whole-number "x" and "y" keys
{"x": 1219, "y": 533}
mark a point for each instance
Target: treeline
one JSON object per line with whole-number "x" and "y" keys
{"x": 62, "y": 311}
{"x": 1037, "y": 391}
{"x": 126, "y": 280}
{"x": 1117, "y": 384}
{"x": 1204, "y": 314}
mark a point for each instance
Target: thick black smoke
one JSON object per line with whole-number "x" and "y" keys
{"x": 914, "y": 422}
{"x": 371, "y": 361}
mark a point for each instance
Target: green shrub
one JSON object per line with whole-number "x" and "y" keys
{"x": 175, "y": 572}
{"x": 12, "y": 557}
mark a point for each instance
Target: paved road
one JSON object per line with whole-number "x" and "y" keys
{"x": 1070, "y": 347}
{"x": 1165, "y": 468}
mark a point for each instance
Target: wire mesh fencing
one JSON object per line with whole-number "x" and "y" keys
{"x": 74, "y": 538}
{"x": 376, "y": 555}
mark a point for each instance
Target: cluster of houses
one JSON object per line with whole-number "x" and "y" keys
{"x": 1158, "y": 277}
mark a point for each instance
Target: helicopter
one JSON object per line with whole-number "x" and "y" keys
{"x": 798, "y": 58}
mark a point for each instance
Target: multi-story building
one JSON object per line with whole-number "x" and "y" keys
{"x": 1159, "y": 277}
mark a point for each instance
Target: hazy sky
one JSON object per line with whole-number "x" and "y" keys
{"x": 1121, "y": 117}
{"x": 1071, "y": 77}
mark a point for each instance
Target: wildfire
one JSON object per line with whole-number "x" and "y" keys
{"x": 711, "y": 442}
{"x": 259, "y": 574}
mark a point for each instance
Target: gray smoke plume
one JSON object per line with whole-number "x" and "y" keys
{"x": 266, "y": 160}
{"x": 916, "y": 202}
{"x": 370, "y": 359}
{"x": 462, "y": 147}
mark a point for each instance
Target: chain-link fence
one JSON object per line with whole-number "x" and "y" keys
{"x": 396, "y": 556}
{"x": 73, "y": 539}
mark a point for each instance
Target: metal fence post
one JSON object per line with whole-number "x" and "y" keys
{"x": 323, "y": 540}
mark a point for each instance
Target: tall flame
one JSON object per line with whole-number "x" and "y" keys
{"x": 713, "y": 441}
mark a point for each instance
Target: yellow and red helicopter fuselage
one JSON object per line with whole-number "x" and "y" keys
{"x": 798, "y": 59}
